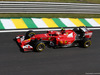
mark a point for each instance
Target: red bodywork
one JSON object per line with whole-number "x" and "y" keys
{"x": 60, "y": 38}
{"x": 66, "y": 38}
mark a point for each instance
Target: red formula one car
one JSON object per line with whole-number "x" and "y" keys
{"x": 79, "y": 36}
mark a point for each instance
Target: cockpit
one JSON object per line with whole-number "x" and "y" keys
{"x": 53, "y": 33}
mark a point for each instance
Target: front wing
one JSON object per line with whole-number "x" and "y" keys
{"x": 25, "y": 47}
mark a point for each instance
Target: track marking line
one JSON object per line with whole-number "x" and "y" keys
{"x": 25, "y": 30}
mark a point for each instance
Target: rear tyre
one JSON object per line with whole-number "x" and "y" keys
{"x": 29, "y": 34}
{"x": 39, "y": 47}
{"x": 86, "y": 43}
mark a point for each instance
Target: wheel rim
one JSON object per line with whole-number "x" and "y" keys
{"x": 88, "y": 43}
{"x": 31, "y": 34}
{"x": 41, "y": 47}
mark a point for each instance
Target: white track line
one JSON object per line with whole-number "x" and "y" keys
{"x": 4, "y": 31}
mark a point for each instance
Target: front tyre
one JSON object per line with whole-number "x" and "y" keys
{"x": 39, "y": 47}
{"x": 29, "y": 34}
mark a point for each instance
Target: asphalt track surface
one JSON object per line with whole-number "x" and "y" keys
{"x": 62, "y": 61}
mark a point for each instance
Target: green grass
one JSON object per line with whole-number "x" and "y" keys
{"x": 51, "y": 15}
{"x": 93, "y": 1}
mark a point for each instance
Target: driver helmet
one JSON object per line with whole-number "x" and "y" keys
{"x": 62, "y": 30}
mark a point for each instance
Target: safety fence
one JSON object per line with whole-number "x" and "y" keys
{"x": 48, "y": 7}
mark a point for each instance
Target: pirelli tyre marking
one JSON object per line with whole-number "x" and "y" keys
{"x": 87, "y": 43}
{"x": 40, "y": 47}
{"x": 31, "y": 34}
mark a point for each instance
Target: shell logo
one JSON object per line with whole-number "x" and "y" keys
{"x": 61, "y": 42}
{"x": 29, "y": 39}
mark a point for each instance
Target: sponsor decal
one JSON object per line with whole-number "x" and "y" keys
{"x": 65, "y": 42}
{"x": 49, "y": 38}
{"x": 70, "y": 35}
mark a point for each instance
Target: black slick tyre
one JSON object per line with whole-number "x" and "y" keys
{"x": 86, "y": 43}
{"x": 29, "y": 34}
{"x": 39, "y": 46}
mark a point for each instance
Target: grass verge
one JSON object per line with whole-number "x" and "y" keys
{"x": 92, "y": 1}
{"x": 52, "y": 15}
